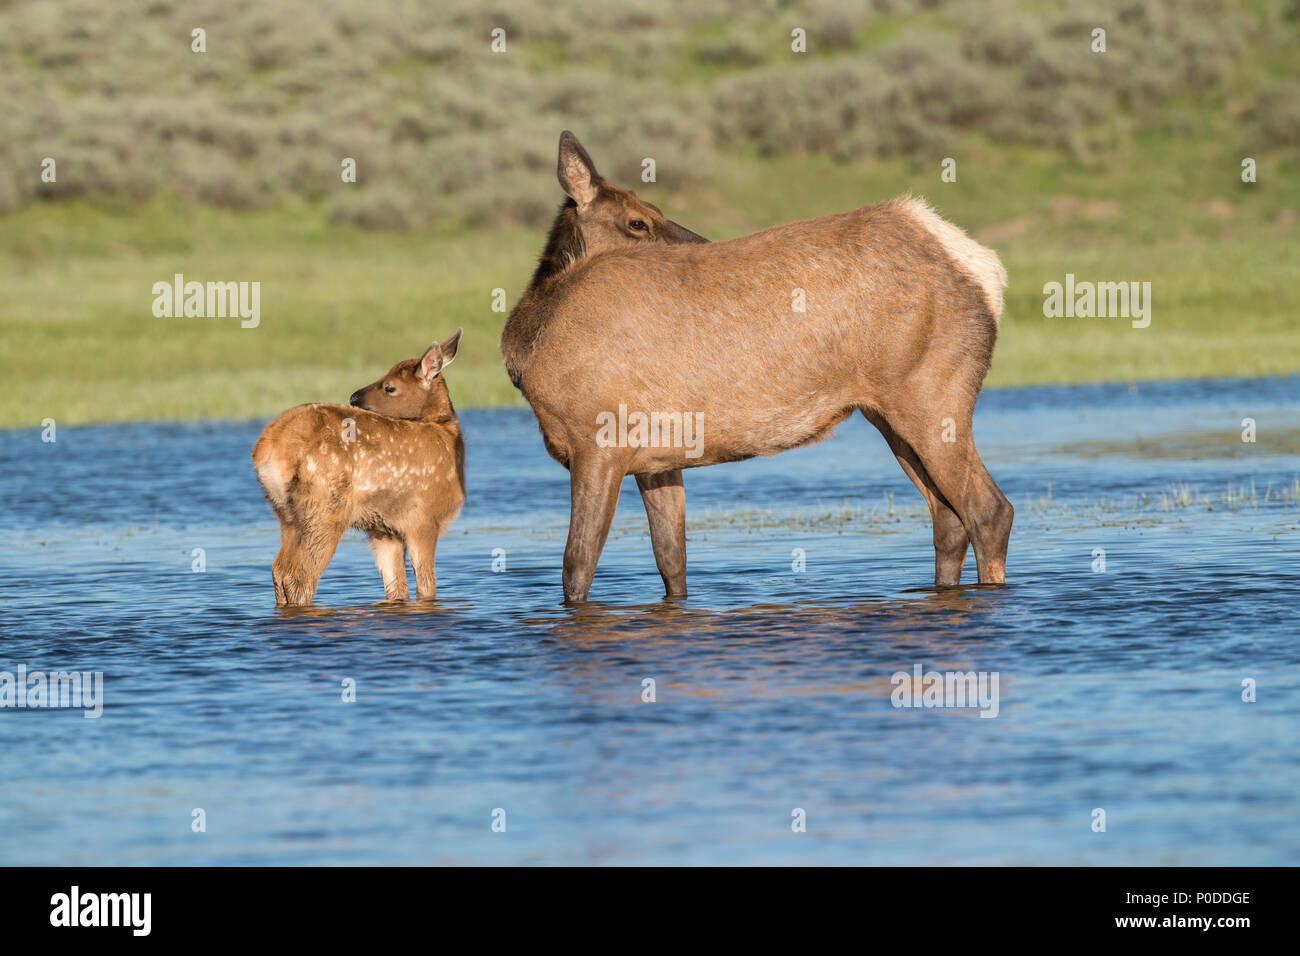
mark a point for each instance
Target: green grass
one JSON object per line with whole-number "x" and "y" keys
{"x": 338, "y": 307}
{"x": 340, "y": 304}
{"x": 224, "y": 166}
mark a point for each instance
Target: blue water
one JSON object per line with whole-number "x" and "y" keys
{"x": 1120, "y": 689}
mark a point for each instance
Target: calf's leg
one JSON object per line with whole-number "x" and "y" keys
{"x": 423, "y": 546}
{"x": 305, "y": 551}
{"x": 390, "y": 559}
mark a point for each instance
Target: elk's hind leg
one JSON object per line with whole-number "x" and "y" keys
{"x": 947, "y": 451}
{"x": 664, "y": 497}
{"x": 950, "y": 538}
{"x": 390, "y": 559}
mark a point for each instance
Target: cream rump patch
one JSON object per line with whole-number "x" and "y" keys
{"x": 979, "y": 263}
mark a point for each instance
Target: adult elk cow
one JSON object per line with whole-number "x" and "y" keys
{"x": 631, "y": 314}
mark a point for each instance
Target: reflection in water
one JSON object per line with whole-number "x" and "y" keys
{"x": 823, "y": 647}
{"x": 369, "y": 615}
{"x": 666, "y": 622}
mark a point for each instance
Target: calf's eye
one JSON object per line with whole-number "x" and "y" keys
{"x": 390, "y": 389}
{"x": 638, "y": 225}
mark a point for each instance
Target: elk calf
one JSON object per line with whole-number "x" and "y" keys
{"x": 392, "y": 463}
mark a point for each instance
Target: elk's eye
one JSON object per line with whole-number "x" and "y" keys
{"x": 390, "y": 389}
{"x": 638, "y": 225}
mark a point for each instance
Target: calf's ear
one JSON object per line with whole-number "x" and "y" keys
{"x": 436, "y": 358}
{"x": 429, "y": 366}
{"x": 449, "y": 348}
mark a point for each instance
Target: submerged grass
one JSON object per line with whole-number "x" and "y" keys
{"x": 847, "y": 515}
{"x": 852, "y": 517}
{"x": 1220, "y": 443}
{"x": 1176, "y": 497}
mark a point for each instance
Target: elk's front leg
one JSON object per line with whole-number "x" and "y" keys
{"x": 664, "y": 497}
{"x": 594, "y": 482}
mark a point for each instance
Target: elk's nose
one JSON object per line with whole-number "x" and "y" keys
{"x": 355, "y": 400}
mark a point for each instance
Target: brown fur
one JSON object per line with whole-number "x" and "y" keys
{"x": 402, "y": 480}
{"x": 901, "y": 317}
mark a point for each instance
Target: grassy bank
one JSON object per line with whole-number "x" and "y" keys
{"x": 225, "y": 165}
{"x": 340, "y": 304}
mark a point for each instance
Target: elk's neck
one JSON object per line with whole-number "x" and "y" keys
{"x": 564, "y": 246}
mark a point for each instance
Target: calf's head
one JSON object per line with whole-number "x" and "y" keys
{"x": 413, "y": 389}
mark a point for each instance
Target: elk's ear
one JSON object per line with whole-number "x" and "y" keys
{"x": 576, "y": 172}
{"x": 449, "y": 348}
